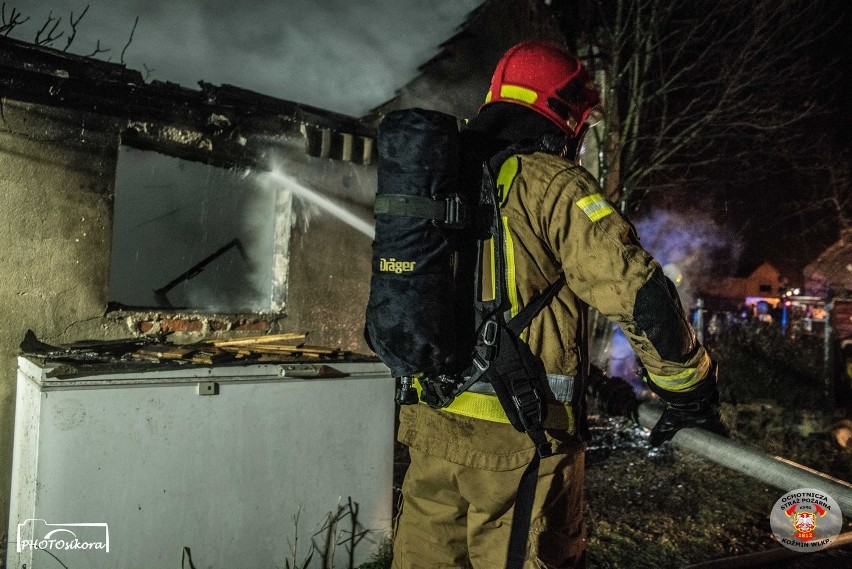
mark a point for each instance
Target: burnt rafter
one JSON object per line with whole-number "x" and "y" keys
{"x": 224, "y": 123}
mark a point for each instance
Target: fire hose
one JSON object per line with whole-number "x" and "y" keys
{"x": 773, "y": 470}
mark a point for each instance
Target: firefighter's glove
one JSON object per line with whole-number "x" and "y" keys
{"x": 696, "y": 408}
{"x": 614, "y": 396}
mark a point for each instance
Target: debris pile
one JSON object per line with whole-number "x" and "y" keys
{"x": 269, "y": 348}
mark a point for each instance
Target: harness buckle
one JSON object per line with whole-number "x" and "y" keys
{"x": 438, "y": 392}
{"x": 489, "y": 333}
{"x": 530, "y": 408}
{"x": 455, "y": 212}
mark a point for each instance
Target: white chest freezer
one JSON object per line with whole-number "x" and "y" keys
{"x": 125, "y": 470}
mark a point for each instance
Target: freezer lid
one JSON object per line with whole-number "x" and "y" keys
{"x": 48, "y": 374}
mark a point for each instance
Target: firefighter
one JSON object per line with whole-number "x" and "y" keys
{"x": 466, "y": 459}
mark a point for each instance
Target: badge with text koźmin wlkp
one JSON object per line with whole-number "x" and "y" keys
{"x": 806, "y": 520}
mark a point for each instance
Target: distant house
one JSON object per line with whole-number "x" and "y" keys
{"x": 831, "y": 272}
{"x": 729, "y": 293}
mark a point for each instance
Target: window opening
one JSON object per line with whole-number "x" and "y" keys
{"x": 192, "y": 236}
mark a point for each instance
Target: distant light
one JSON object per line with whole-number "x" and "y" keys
{"x": 790, "y": 293}
{"x": 796, "y": 291}
{"x": 788, "y": 303}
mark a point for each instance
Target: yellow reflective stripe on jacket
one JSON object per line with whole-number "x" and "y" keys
{"x": 487, "y": 408}
{"x": 680, "y": 382}
{"x": 595, "y": 206}
{"x": 511, "y": 284}
{"x": 507, "y": 174}
{"x": 489, "y": 279}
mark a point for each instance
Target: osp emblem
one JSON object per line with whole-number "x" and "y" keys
{"x": 805, "y": 524}
{"x": 806, "y": 520}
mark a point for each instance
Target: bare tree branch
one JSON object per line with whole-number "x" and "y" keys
{"x": 7, "y": 24}
{"x": 74, "y": 23}
{"x": 98, "y": 49}
{"x": 130, "y": 39}
{"x": 148, "y": 71}
{"x": 689, "y": 82}
{"x": 50, "y": 31}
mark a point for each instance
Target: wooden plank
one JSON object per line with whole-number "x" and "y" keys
{"x": 258, "y": 340}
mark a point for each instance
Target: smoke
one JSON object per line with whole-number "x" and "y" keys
{"x": 690, "y": 246}
{"x": 172, "y": 215}
{"x": 344, "y": 56}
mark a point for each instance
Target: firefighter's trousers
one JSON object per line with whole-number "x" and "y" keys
{"x": 459, "y": 494}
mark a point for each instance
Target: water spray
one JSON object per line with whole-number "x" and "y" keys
{"x": 325, "y": 203}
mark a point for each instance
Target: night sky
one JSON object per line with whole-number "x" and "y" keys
{"x": 764, "y": 201}
{"x": 788, "y": 229}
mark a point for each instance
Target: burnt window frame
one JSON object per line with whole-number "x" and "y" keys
{"x": 228, "y": 151}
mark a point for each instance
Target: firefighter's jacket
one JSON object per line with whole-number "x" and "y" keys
{"x": 556, "y": 220}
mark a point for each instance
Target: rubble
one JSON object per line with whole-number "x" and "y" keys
{"x": 275, "y": 348}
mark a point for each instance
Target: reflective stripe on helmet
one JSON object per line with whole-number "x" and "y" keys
{"x": 518, "y": 93}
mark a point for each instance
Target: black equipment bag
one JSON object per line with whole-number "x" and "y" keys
{"x": 411, "y": 320}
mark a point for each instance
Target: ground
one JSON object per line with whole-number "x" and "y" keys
{"x": 668, "y": 508}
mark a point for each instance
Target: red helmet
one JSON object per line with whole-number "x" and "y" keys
{"x": 547, "y": 79}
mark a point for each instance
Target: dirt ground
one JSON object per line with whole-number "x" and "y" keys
{"x": 666, "y": 508}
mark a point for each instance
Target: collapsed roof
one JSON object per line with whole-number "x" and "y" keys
{"x": 223, "y": 124}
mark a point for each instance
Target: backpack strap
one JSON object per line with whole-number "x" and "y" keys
{"x": 530, "y": 310}
{"x": 522, "y": 517}
{"x": 450, "y": 211}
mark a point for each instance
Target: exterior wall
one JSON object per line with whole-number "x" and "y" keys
{"x": 57, "y": 175}
{"x": 764, "y": 275}
{"x": 330, "y": 265}
{"x": 56, "y": 207}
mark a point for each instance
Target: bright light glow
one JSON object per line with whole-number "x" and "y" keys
{"x": 324, "y": 202}
{"x": 796, "y": 291}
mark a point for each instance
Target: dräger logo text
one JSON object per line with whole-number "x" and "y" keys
{"x": 38, "y": 534}
{"x": 393, "y": 266}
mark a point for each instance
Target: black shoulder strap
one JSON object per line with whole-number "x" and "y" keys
{"x": 530, "y": 310}
{"x": 521, "y": 518}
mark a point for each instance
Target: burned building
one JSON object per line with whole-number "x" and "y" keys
{"x": 136, "y": 208}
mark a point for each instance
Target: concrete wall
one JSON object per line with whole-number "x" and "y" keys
{"x": 57, "y": 173}
{"x": 56, "y": 176}
{"x": 329, "y": 283}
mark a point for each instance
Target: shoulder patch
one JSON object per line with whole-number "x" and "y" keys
{"x": 508, "y": 172}
{"x": 595, "y": 206}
